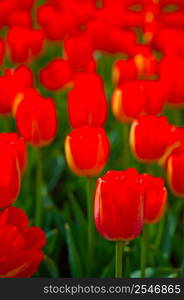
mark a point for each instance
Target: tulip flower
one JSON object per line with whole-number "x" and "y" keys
{"x": 87, "y": 150}
{"x": 2, "y": 51}
{"x": 56, "y": 75}
{"x": 149, "y": 137}
{"x": 20, "y": 18}
{"x": 10, "y": 179}
{"x": 119, "y": 198}
{"x": 36, "y": 118}
{"x": 21, "y": 246}
{"x": 18, "y": 146}
{"x": 128, "y": 101}
{"x": 79, "y": 53}
{"x": 30, "y": 43}
{"x": 173, "y": 166}
{"x": 18, "y": 79}
{"x": 88, "y": 94}
{"x": 118, "y": 209}
{"x": 55, "y": 23}
{"x": 124, "y": 70}
{"x": 155, "y": 197}
{"x": 171, "y": 76}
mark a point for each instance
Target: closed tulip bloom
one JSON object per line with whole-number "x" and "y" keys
{"x": 18, "y": 79}
{"x": 56, "y": 75}
{"x": 155, "y": 96}
{"x": 10, "y": 179}
{"x": 128, "y": 101}
{"x": 36, "y": 118}
{"x": 124, "y": 70}
{"x": 146, "y": 64}
{"x": 174, "y": 166}
{"x": 18, "y": 146}
{"x": 149, "y": 137}
{"x": 155, "y": 198}
{"x": 88, "y": 94}
{"x": 21, "y": 18}
{"x": 118, "y": 206}
{"x": 79, "y": 53}
{"x": 2, "y": 51}
{"x": 21, "y": 246}
{"x": 57, "y": 24}
{"x": 30, "y": 43}
{"x": 87, "y": 150}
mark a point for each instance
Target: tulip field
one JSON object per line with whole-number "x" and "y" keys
{"x": 92, "y": 138}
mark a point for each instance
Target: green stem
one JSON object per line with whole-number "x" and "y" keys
{"x": 91, "y": 226}
{"x": 159, "y": 233}
{"x": 39, "y": 198}
{"x": 144, "y": 249}
{"x": 119, "y": 259}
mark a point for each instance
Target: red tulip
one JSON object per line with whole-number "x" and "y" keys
{"x": 20, "y": 18}
{"x": 79, "y": 53}
{"x": 30, "y": 43}
{"x": 155, "y": 96}
{"x": 111, "y": 39}
{"x": 9, "y": 174}
{"x": 14, "y": 81}
{"x": 88, "y": 94}
{"x": 56, "y": 24}
{"x": 87, "y": 150}
{"x": 171, "y": 76}
{"x": 155, "y": 197}
{"x": 146, "y": 63}
{"x": 2, "y": 51}
{"x": 119, "y": 205}
{"x": 149, "y": 137}
{"x": 128, "y": 101}
{"x": 21, "y": 246}
{"x": 124, "y": 70}
{"x": 18, "y": 146}
{"x": 56, "y": 75}
{"x": 36, "y": 118}
{"x": 174, "y": 165}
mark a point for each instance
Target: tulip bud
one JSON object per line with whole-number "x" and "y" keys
{"x": 124, "y": 70}
{"x": 87, "y": 150}
{"x": 36, "y": 118}
{"x": 18, "y": 146}
{"x": 174, "y": 165}
{"x": 30, "y": 43}
{"x": 155, "y": 197}
{"x": 149, "y": 137}
{"x": 128, "y": 101}
{"x": 118, "y": 207}
{"x": 21, "y": 246}
{"x": 88, "y": 94}
{"x": 79, "y": 53}
{"x": 56, "y": 74}
{"x": 9, "y": 175}
{"x": 18, "y": 79}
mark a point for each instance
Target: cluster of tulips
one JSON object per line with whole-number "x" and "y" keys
{"x": 147, "y": 79}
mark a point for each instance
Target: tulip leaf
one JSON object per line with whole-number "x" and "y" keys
{"x": 74, "y": 258}
{"x": 51, "y": 266}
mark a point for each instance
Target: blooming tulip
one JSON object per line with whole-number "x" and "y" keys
{"x": 88, "y": 94}
{"x": 9, "y": 174}
{"x": 155, "y": 197}
{"x": 87, "y": 150}
{"x": 35, "y": 118}
{"x": 128, "y": 101}
{"x": 56, "y": 74}
{"x": 119, "y": 205}
{"x": 18, "y": 145}
{"x": 149, "y": 137}
{"x": 174, "y": 165}
{"x": 30, "y": 43}
{"x": 21, "y": 246}
{"x": 18, "y": 79}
